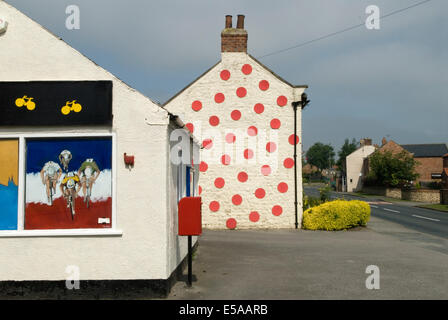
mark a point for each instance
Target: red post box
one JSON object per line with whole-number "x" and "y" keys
{"x": 190, "y": 216}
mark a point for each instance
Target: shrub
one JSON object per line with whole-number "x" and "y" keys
{"x": 309, "y": 202}
{"x": 337, "y": 215}
{"x": 325, "y": 193}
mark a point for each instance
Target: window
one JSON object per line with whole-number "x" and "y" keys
{"x": 57, "y": 184}
{"x": 180, "y": 182}
{"x": 9, "y": 182}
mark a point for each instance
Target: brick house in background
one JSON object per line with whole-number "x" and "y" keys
{"x": 429, "y": 157}
{"x": 243, "y": 114}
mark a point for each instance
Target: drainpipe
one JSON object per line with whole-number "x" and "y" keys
{"x": 304, "y": 101}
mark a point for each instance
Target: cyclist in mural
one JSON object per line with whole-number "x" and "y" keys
{"x": 70, "y": 187}
{"x": 88, "y": 172}
{"x": 64, "y": 158}
{"x": 50, "y": 174}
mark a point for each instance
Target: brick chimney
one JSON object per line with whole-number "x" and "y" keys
{"x": 234, "y": 39}
{"x": 383, "y": 142}
{"x": 365, "y": 142}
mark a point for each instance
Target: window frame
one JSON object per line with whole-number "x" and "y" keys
{"x": 21, "y": 232}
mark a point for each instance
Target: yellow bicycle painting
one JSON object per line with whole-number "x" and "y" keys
{"x": 26, "y": 101}
{"x": 76, "y": 107}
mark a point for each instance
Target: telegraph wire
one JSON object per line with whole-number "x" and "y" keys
{"x": 342, "y": 31}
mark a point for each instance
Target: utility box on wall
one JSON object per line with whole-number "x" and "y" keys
{"x": 190, "y": 216}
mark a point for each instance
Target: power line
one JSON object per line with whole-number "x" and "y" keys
{"x": 342, "y": 31}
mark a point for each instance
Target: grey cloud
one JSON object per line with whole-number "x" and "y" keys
{"x": 362, "y": 83}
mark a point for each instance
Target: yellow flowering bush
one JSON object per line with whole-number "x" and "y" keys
{"x": 337, "y": 215}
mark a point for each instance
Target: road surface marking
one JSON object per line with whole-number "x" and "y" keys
{"x": 414, "y": 215}
{"x": 374, "y": 206}
{"x": 378, "y": 202}
{"x": 391, "y": 210}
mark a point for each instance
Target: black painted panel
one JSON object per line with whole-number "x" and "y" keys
{"x": 48, "y": 106}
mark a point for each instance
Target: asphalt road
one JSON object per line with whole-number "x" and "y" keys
{"x": 423, "y": 220}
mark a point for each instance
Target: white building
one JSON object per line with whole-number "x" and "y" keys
{"x": 356, "y": 162}
{"x": 243, "y": 114}
{"x": 133, "y": 237}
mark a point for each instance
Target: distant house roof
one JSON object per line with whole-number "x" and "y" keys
{"x": 426, "y": 150}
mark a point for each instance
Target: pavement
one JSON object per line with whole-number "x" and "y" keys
{"x": 300, "y": 264}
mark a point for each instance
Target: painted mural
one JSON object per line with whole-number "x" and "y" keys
{"x": 9, "y": 175}
{"x": 68, "y": 183}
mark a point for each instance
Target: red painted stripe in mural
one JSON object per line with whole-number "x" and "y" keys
{"x": 58, "y": 216}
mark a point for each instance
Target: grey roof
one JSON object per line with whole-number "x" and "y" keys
{"x": 427, "y": 150}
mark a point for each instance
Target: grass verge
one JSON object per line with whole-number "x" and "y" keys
{"x": 438, "y": 207}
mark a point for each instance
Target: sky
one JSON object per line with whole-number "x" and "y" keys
{"x": 363, "y": 83}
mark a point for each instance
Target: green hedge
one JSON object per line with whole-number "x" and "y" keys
{"x": 337, "y": 215}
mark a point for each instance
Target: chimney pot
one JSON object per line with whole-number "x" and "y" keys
{"x": 228, "y": 21}
{"x": 240, "y": 22}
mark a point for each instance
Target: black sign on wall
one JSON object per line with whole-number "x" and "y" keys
{"x": 55, "y": 103}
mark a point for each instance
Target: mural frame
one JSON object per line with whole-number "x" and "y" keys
{"x": 21, "y": 232}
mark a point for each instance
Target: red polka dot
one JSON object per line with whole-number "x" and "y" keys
{"x": 214, "y": 206}
{"x": 291, "y": 139}
{"x": 235, "y": 115}
{"x": 231, "y": 223}
{"x": 259, "y": 108}
{"x": 237, "y": 199}
{"x": 219, "y": 97}
{"x": 225, "y": 159}
{"x": 214, "y": 121}
{"x": 252, "y": 131}
{"x": 207, "y": 143}
{"x": 219, "y": 183}
{"x": 271, "y": 147}
{"x": 260, "y": 193}
{"x": 282, "y": 187}
{"x": 196, "y": 105}
{"x": 263, "y": 85}
{"x": 241, "y": 92}
{"x": 200, "y": 190}
{"x": 275, "y": 123}
{"x": 230, "y": 138}
{"x": 282, "y": 101}
{"x": 254, "y": 216}
{"x": 190, "y": 127}
{"x": 288, "y": 163}
{"x": 225, "y": 74}
{"x": 248, "y": 154}
{"x": 247, "y": 69}
{"x": 277, "y": 210}
{"x": 242, "y": 176}
{"x": 266, "y": 170}
{"x": 203, "y": 166}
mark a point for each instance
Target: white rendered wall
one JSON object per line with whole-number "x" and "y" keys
{"x": 141, "y": 199}
{"x": 355, "y": 162}
{"x": 204, "y": 90}
{"x": 177, "y": 245}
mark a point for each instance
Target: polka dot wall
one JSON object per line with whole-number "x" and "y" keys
{"x": 239, "y": 95}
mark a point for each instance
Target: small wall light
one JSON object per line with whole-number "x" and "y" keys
{"x": 128, "y": 160}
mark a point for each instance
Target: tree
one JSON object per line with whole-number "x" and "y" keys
{"x": 320, "y": 155}
{"x": 392, "y": 170}
{"x": 346, "y": 149}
